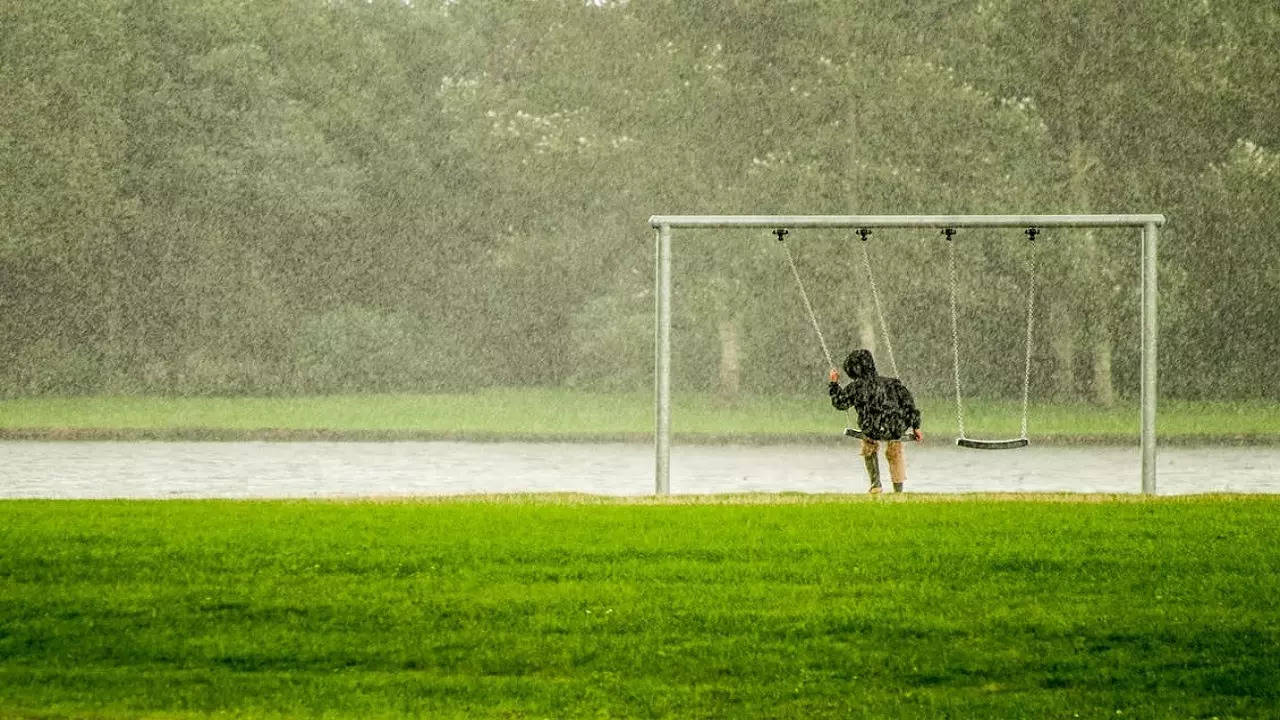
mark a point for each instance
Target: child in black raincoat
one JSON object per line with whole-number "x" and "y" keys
{"x": 886, "y": 412}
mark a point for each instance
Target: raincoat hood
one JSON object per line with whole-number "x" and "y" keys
{"x": 860, "y": 366}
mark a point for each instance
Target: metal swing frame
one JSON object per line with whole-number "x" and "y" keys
{"x": 664, "y": 225}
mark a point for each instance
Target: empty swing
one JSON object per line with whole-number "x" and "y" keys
{"x": 850, "y": 430}
{"x": 1012, "y": 443}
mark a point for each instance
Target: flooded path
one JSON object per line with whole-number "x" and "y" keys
{"x": 344, "y": 469}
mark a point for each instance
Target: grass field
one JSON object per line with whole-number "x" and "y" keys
{"x": 560, "y": 414}
{"x": 764, "y": 606}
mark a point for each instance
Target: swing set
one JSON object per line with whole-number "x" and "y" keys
{"x": 1032, "y": 226}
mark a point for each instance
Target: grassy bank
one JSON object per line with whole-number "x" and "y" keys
{"x": 788, "y": 606}
{"x": 560, "y": 414}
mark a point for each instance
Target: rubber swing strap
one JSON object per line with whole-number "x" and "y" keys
{"x": 856, "y": 433}
{"x": 993, "y": 444}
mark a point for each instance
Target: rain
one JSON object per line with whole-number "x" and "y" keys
{"x": 422, "y": 227}
{"x": 639, "y": 359}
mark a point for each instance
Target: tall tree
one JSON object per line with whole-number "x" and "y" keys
{"x": 61, "y": 157}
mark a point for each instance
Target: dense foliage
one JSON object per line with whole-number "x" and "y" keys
{"x": 326, "y": 196}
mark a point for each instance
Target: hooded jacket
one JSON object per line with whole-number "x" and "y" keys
{"x": 885, "y": 407}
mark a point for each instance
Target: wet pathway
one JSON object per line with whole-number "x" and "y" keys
{"x": 324, "y": 469}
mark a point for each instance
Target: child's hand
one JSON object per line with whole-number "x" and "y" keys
{"x": 918, "y": 435}
{"x": 834, "y": 376}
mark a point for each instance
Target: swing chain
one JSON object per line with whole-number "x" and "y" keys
{"x": 955, "y": 332}
{"x": 875, "y": 297}
{"x": 1031, "y": 299}
{"x": 813, "y": 317}
{"x": 955, "y": 335}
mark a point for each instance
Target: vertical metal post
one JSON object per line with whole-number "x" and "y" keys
{"x": 662, "y": 362}
{"x": 1150, "y": 236}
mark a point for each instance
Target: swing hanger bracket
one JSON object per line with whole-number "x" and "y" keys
{"x": 948, "y": 232}
{"x": 863, "y": 233}
{"x": 1031, "y": 233}
{"x": 781, "y": 233}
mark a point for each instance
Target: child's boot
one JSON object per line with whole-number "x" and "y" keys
{"x": 873, "y": 471}
{"x": 897, "y": 487}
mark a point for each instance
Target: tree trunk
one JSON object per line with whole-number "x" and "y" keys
{"x": 1090, "y": 279}
{"x": 1103, "y": 393}
{"x": 1063, "y": 345}
{"x": 866, "y": 329}
{"x": 730, "y": 359}
{"x": 1097, "y": 335}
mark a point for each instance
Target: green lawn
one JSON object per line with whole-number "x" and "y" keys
{"x": 760, "y": 606}
{"x": 561, "y": 414}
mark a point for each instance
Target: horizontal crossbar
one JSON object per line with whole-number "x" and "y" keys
{"x": 901, "y": 221}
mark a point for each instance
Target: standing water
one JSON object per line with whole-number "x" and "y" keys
{"x": 333, "y": 469}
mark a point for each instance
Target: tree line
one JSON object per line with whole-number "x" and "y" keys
{"x": 328, "y": 196}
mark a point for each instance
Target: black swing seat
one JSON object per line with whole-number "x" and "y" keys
{"x": 856, "y": 433}
{"x": 1010, "y": 444}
